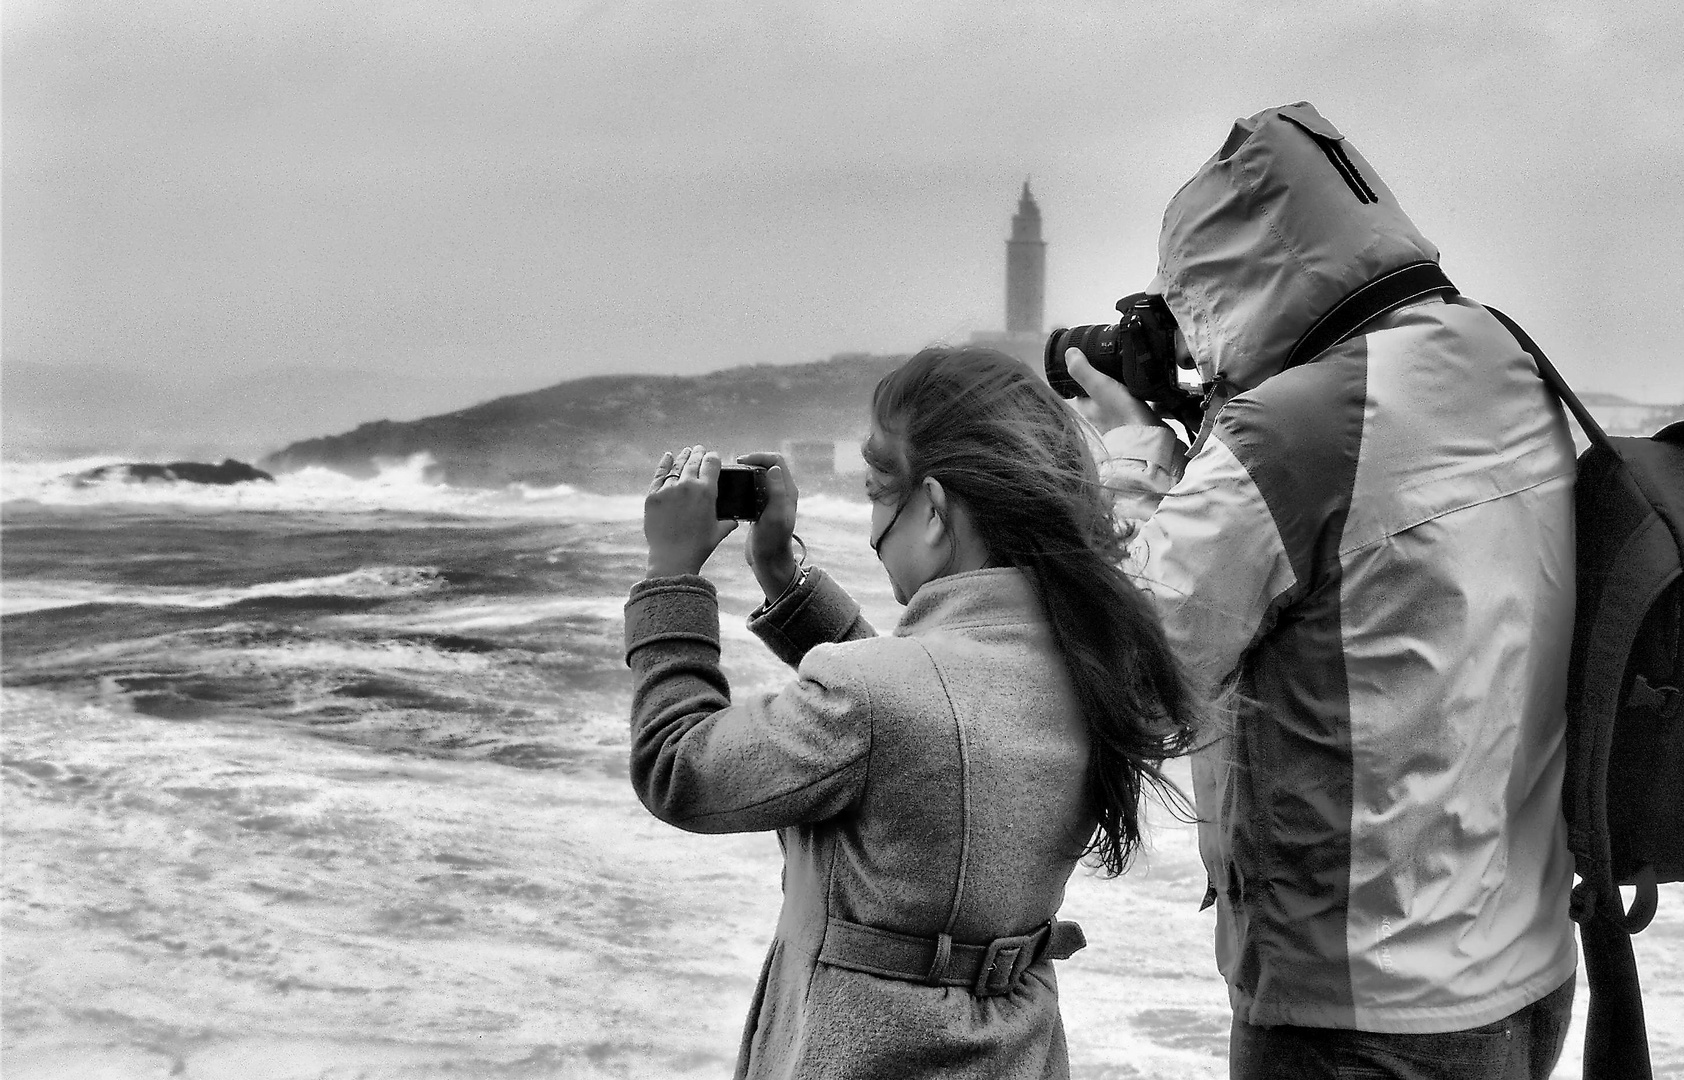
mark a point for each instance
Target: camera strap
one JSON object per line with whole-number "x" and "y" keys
{"x": 1372, "y": 300}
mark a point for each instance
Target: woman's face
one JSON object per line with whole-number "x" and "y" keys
{"x": 895, "y": 534}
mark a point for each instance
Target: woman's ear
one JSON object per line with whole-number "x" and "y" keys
{"x": 937, "y": 526}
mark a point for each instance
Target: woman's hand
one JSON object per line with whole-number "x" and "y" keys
{"x": 678, "y": 513}
{"x": 769, "y": 551}
{"x": 1109, "y": 402}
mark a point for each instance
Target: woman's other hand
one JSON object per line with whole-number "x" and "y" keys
{"x": 678, "y": 513}
{"x": 769, "y": 551}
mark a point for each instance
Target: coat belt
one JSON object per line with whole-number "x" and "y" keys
{"x": 988, "y": 970}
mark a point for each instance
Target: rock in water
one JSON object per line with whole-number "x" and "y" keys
{"x": 192, "y": 472}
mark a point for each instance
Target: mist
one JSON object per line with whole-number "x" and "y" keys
{"x": 234, "y": 224}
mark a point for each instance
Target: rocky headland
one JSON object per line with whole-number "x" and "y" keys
{"x": 190, "y": 472}
{"x": 604, "y": 433}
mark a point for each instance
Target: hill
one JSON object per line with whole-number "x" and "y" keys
{"x": 605, "y": 432}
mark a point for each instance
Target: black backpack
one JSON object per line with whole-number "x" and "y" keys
{"x": 1623, "y": 794}
{"x": 1624, "y": 790}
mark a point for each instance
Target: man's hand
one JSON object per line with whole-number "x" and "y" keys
{"x": 1109, "y": 402}
{"x": 769, "y": 551}
{"x": 678, "y": 513}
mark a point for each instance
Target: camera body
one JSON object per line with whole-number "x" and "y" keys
{"x": 742, "y": 493}
{"x": 1138, "y": 351}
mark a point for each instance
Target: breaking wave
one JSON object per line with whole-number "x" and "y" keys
{"x": 399, "y": 487}
{"x": 366, "y": 583}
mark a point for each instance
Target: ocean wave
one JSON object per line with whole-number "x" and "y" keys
{"x": 365, "y": 583}
{"x": 398, "y": 487}
{"x": 332, "y": 656}
{"x": 492, "y": 614}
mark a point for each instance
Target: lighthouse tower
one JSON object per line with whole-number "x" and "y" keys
{"x": 1026, "y": 288}
{"x": 1026, "y": 269}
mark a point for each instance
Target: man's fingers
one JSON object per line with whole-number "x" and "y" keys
{"x": 708, "y": 471}
{"x": 692, "y": 463}
{"x": 1101, "y": 388}
{"x": 1116, "y": 404}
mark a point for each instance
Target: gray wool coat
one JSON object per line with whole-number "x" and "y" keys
{"x": 928, "y": 782}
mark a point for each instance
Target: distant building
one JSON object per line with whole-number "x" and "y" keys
{"x": 1026, "y": 269}
{"x": 1026, "y": 287}
{"x": 1621, "y": 416}
{"x": 812, "y": 459}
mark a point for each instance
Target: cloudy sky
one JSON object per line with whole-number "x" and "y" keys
{"x": 499, "y": 194}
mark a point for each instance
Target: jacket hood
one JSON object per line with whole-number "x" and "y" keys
{"x": 1285, "y": 221}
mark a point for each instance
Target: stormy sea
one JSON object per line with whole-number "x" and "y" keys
{"x": 327, "y": 778}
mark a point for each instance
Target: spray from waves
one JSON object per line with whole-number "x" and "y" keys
{"x": 365, "y": 583}
{"x": 400, "y": 487}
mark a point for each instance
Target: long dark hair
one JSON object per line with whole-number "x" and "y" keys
{"x": 1002, "y": 443}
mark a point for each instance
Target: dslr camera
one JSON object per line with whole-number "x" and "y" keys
{"x": 1139, "y": 352}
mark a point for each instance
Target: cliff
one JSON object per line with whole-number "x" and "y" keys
{"x": 605, "y": 432}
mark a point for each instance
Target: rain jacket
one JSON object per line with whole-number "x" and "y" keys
{"x": 1375, "y": 549}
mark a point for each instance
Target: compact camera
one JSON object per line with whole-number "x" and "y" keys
{"x": 1138, "y": 351}
{"x": 742, "y": 493}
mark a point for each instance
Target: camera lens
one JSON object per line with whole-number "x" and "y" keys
{"x": 1098, "y": 343}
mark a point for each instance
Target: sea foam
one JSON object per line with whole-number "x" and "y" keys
{"x": 368, "y": 583}
{"x": 399, "y": 486}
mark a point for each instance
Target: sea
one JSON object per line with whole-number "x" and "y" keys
{"x": 326, "y": 778}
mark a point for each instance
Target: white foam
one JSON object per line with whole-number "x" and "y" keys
{"x": 399, "y": 486}
{"x": 834, "y": 508}
{"x": 369, "y": 582}
{"x": 490, "y": 614}
{"x": 337, "y": 655}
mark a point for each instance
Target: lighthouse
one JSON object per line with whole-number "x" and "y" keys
{"x": 1026, "y": 288}
{"x": 1026, "y": 269}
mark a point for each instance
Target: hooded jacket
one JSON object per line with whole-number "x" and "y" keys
{"x": 1375, "y": 550}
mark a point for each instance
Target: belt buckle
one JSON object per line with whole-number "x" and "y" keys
{"x": 1004, "y": 962}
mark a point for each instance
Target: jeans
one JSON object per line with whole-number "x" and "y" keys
{"x": 1521, "y": 1046}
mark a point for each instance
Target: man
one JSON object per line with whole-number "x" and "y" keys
{"x": 1374, "y": 549}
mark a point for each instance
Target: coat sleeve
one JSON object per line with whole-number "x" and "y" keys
{"x": 1205, "y": 546}
{"x": 1139, "y": 464}
{"x": 704, "y": 764}
{"x": 816, "y": 612}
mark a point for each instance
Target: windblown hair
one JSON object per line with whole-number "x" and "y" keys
{"x": 1003, "y": 444}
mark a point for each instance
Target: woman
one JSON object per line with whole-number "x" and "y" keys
{"x": 933, "y": 789}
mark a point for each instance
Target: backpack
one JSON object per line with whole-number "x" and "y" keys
{"x": 1623, "y": 795}
{"x": 1623, "y": 792}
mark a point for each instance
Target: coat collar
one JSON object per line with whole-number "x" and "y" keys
{"x": 976, "y": 597}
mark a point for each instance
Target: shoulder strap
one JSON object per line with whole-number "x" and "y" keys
{"x": 1616, "y": 1036}
{"x": 1593, "y": 430}
{"x": 1412, "y": 282}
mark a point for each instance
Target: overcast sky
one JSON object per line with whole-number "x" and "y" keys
{"x": 533, "y": 191}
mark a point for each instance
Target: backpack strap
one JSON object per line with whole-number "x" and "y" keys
{"x": 1616, "y": 1035}
{"x": 1593, "y": 430}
